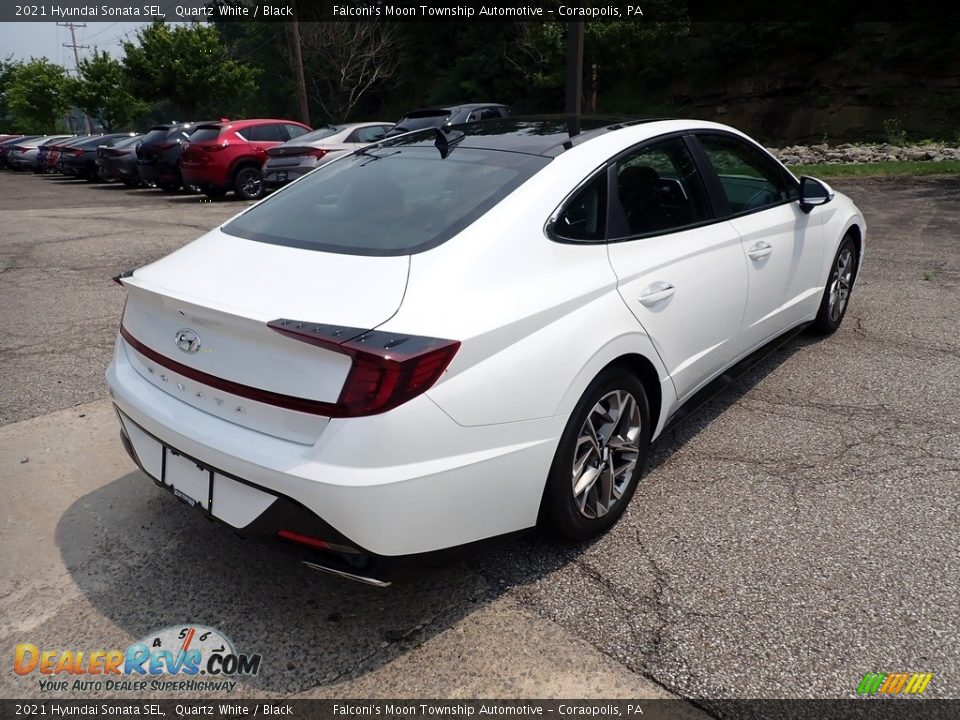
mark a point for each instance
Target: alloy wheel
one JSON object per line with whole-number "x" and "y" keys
{"x": 840, "y": 283}
{"x": 606, "y": 453}
{"x": 250, "y": 182}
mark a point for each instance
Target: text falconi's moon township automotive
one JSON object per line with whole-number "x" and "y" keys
{"x": 466, "y": 11}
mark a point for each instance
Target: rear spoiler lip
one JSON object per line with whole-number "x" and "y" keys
{"x": 118, "y": 279}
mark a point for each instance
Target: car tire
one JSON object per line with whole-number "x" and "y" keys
{"x": 600, "y": 457}
{"x": 248, "y": 183}
{"x": 836, "y": 295}
{"x": 214, "y": 193}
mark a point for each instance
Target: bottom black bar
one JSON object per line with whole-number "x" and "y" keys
{"x": 892, "y": 708}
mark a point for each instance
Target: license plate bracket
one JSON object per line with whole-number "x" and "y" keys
{"x": 190, "y": 481}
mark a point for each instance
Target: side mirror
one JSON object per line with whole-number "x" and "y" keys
{"x": 813, "y": 192}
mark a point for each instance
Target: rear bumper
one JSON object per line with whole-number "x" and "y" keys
{"x": 271, "y": 176}
{"x": 204, "y": 175}
{"x": 405, "y": 488}
{"x": 157, "y": 172}
{"x": 119, "y": 170}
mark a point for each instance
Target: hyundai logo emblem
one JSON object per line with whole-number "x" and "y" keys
{"x": 188, "y": 341}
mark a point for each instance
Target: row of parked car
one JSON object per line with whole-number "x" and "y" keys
{"x": 215, "y": 157}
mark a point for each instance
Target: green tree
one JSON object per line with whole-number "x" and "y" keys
{"x": 103, "y": 92}
{"x": 38, "y": 95}
{"x": 7, "y": 67}
{"x": 190, "y": 67}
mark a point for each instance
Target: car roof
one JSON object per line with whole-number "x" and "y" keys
{"x": 547, "y": 135}
{"x": 241, "y": 124}
{"x": 437, "y": 109}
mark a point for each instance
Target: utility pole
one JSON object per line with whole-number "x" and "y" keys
{"x": 574, "y": 67}
{"x": 76, "y": 59}
{"x": 293, "y": 30}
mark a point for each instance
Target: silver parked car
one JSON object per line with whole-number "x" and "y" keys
{"x": 24, "y": 156}
{"x": 299, "y": 156}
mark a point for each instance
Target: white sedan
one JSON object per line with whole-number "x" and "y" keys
{"x": 454, "y": 335}
{"x": 286, "y": 162}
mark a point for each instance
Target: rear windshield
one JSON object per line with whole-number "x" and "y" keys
{"x": 320, "y": 134}
{"x": 127, "y": 142}
{"x": 203, "y": 134}
{"x": 387, "y": 200}
{"x": 421, "y": 120}
{"x": 156, "y": 135}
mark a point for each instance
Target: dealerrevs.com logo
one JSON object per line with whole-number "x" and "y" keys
{"x": 186, "y": 658}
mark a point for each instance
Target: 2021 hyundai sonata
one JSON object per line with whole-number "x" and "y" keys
{"x": 452, "y": 335}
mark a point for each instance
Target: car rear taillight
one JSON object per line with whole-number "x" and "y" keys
{"x": 214, "y": 147}
{"x": 75, "y": 153}
{"x": 388, "y": 368}
{"x": 317, "y": 152}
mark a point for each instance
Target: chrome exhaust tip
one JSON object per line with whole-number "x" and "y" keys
{"x": 348, "y": 575}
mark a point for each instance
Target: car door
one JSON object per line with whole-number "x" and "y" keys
{"x": 783, "y": 246}
{"x": 680, "y": 271}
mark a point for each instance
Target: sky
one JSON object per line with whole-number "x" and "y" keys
{"x": 39, "y": 39}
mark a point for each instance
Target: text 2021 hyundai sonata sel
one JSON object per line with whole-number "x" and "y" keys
{"x": 453, "y": 335}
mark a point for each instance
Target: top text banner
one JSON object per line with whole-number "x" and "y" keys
{"x": 810, "y": 12}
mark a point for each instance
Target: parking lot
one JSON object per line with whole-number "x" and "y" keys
{"x": 797, "y": 532}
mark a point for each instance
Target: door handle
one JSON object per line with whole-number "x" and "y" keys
{"x": 760, "y": 250}
{"x": 656, "y": 292}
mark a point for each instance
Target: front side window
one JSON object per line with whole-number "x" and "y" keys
{"x": 750, "y": 179}
{"x": 584, "y": 217}
{"x": 659, "y": 189}
{"x": 387, "y": 200}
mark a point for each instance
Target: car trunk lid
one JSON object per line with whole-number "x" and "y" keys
{"x": 195, "y": 326}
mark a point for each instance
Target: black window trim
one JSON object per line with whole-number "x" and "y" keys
{"x": 609, "y": 167}
{"x": 614, "y": 202}
{"x": 718, "y": 206}
{"x": 721, "y": 204}
{"x": 558, "y": 211}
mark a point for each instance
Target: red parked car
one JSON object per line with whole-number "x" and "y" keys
{"x": 225, "y": 156}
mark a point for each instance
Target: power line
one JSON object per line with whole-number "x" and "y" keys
{"x": 76, "y": 58}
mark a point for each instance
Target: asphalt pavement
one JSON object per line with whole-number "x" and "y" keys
{"x": 796, "y": 533}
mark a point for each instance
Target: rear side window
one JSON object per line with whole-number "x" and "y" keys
{"x": 295, "y": 131}
{"x": 584, "y": 216}
{"x": 659, "y": 190}
{"x": 750, "y": 179}
{"x": 368, "y": 134}
{"x": 387, "y": 201}
{"x": 264, "y": 133}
